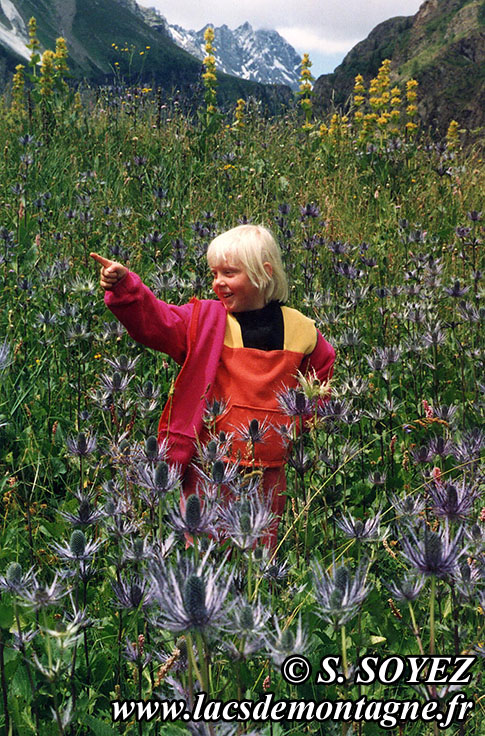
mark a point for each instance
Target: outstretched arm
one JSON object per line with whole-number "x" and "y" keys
{"x": 149, "y": 321}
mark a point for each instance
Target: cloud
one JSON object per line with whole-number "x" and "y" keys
{"x": 307, "y": 40}
{"x": 333, "y": 22}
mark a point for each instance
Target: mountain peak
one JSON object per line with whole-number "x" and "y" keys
{"x": 258, "y": 55}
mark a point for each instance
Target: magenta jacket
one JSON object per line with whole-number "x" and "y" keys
{"x": 193, "y": 335}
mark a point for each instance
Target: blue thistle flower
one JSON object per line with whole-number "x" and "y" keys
{"x": 284, "y": 642}
{"x": 433, "y": 553}
{"x": 339, "y": 595}
{"x": 191, "y": 597}
{"x": 362, "y": 531}
{"x": 407, "y": 589}
{"x": 453, "y": 501}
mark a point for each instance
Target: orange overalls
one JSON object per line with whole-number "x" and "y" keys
{"x": 249, "y": 381}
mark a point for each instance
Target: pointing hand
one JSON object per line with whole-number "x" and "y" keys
{"x": 111, "y": 271}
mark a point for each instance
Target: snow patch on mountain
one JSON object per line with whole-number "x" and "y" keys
{"x": 15, "y": 35}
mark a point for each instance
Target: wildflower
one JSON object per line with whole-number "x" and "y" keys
{"x": 470, "y": 445}
{"x": 132, "y": 593}
{"x": 116, "y": 383}
{"x": 245, "y": 521}
{"x": 192, "y": 518}
{"x": 359, "y": 530}
{"x": 295, "y": 403}
{"x": 78, "y": 548}
{"x": 377, "y": 478}
{"x": 135, "y": 651}
{"x": 14, "y": 580}
{"x": 446, "y": 413}
{"x": 272, "y": 570}
{"x": 221, "y": 474}
{"x": 5, "y": 359}
{"x": 433, "y": 553}
{"x": 309, "y": 210}
{"x": 47, "y": 73}
{"x": 82, "y": 445}
{"x": 300, "y": 461}
{"x": 467, "y": 579}
{"x": 137, "y": 549}
{"x": 255, "y": 432}
{"x": 306, "y": 91}
{"x": 407, "y": 589}
{"x": 191, "y": 598}
{"x": 22, "y": 638}
{"x": 452, "y": 501}
{"x": 123, "y": 364}
{"x": 247, "y": 620}
{"x": 40, "y": 595}
{"x": 338, "y": 595}
{"x": 456, "y": 290}
{"x": 284, "y": 642}
{"x": 336, "y": 410}
{"x": 214, "y": 408}
{"x": 158, "y": 479}
{"x": 408, "y": 507}
{"x": 148, "y": 391}
{"x": 421, "y": 454}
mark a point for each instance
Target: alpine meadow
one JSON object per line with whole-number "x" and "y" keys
{"x": 118, "y": 602}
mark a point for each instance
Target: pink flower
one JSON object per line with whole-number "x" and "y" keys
{"x": 436, "y": 473}
{"x": 427, "y": 409}
{"x": 482, "y": 514}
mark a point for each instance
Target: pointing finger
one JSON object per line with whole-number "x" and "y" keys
{"x": 100, "y": 259}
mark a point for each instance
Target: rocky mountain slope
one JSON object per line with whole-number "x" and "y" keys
{"x": 442, "y": 46}
{"x": 260, "y": 55}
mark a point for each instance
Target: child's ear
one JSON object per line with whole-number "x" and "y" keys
{"x": 268, "y": 268}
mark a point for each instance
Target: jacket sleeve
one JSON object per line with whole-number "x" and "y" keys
{"x": 321, "y": 360}
{"x": 150, "y": 321}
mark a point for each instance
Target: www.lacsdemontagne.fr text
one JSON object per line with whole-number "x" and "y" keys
{"x": 386, "y": 713}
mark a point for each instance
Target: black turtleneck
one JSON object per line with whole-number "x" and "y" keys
{"x": 262, "y": 329}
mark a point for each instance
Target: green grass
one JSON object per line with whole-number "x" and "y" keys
{"x": 382, "y": 249}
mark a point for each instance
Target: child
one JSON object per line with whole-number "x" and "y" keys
{"x": 242, "y": 350}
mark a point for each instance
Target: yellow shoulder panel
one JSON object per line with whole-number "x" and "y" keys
{"x": 233, "y": 334}
{"x": 300, "y": 331}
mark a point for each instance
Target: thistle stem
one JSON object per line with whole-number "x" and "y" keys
{"x": 415, "y": 628}
{"x": 431, "y": 615}
{"x": 344, "y": 651}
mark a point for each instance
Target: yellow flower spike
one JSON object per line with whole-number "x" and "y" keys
{"x": 47, "y": 73}
{"x": 306, "y": 91}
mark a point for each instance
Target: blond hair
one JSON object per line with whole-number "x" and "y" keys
{"x": 252, "y": 246}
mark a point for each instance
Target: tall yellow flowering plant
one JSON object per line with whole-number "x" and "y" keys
{"x": 306, "y": 92}
{"x": 209, "y": 75}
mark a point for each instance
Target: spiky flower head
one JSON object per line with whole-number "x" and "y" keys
{"x": 339, "y": 594}
{"x": 452, "y": 500}
{"x": 284, "y": 641}
{"x": 362, "y": 531}
{"x": 78, "y": 548}
{"x": 433, "y": 553}
{"x": 82, "y": 445}
{"x": 246, "y": 520}
{"x": 15, "y": 581}
{"x": 407, "y": 589}
{"x": 191, "y": 597}
{"x": 194, "y": 518}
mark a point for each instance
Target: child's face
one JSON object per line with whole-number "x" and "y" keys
{"x": 234, "y": 288}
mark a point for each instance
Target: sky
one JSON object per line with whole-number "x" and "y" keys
{"x": 326, "y": 29}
